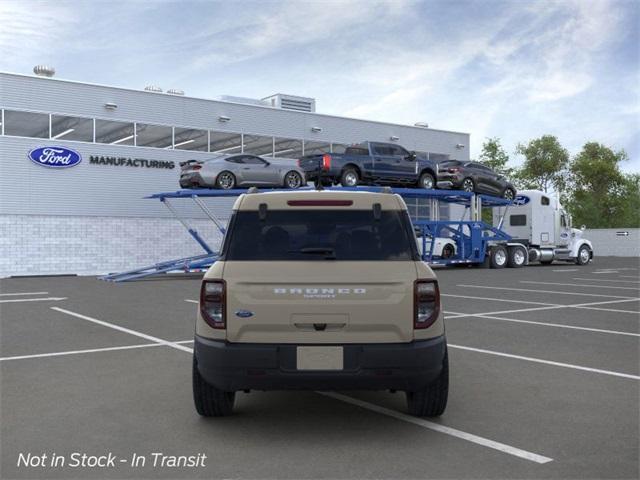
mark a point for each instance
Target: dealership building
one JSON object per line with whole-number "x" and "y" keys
{"x": 92, "y": 217}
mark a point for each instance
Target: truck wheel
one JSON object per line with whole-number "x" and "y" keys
{"x": 427, "y": 181}
{"x": 584, "y": 255}
{"x": 210, "y": 401}
{"x": 517, "y": 257}
{"x": 349, "y": 178}
{"x": 499, "y": 257}
{"x": 431, "y": 401}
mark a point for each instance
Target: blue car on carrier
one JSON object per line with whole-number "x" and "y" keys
{"x": 372, "y": 163}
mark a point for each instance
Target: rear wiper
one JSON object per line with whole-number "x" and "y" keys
{"x": 329, "y": 253}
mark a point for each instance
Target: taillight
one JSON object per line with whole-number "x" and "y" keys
{"x": 196, "y": 167}
{"x": 454, "y": 170}
{"x": 426, "y": 303}
{"x": 326, "y": 161}
{"x": 299, "y": 163}
{"x": 212, "y": 303}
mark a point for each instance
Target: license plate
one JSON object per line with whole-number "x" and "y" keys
{"x": 320, "y": 358}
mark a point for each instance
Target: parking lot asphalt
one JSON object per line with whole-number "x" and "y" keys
{"x": 544, "y": 365}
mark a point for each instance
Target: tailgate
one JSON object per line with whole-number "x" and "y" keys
{"x": 310, "y": 163}
{"x": 321, "y": 302}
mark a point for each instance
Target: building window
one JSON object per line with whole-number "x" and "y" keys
{"x": 157, "y": 136}
{"x": 71, "y": 128}
{"x": 258, "y": 145}
{"x": 114, "y": 133}
{"x": 316, "y": 148}
{"x": 287, "y": 148}
{"x": 26, "y": 124}
{"x": 190, "y": 139}
{"x": 225, "y": 142}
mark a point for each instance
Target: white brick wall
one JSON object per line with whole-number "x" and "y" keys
{"x": 608, "y": 242}
{"x": 46, "y": 245}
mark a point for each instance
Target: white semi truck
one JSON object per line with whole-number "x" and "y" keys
{"x": 538, "y": 221}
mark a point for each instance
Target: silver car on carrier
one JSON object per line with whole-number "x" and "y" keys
{"x": 241, "y": 170}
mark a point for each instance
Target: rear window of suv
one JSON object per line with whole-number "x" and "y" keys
{"x": 320, "y": 235}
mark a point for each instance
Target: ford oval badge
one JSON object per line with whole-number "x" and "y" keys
{"x": 244, "y": 314}
{"x": 521, "y": 200}
{"x": 55, "y": 157}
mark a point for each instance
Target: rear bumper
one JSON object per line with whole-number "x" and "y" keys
{"x": 253, "y": 366}
{"x": 190, "y": 180}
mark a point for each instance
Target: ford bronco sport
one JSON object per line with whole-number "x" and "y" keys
{"x": 320, "y": 290}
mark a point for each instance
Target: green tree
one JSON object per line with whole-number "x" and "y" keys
{"x": 545, "y": 164}
{"x": 494, "y": 156}
{"x": 600, "y": 195}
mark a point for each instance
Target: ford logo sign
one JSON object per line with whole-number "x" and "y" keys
{"x": 244, "y": 314}
{"x": 55, "y": 157}
{"x": 521, "y": 200}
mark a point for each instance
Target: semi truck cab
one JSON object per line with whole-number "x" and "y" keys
{"x": 538, "y": 221}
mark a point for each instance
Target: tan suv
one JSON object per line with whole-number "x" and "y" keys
{"x": 320, "y": 290}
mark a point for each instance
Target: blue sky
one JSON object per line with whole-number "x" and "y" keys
{"x": 514, "y": 70}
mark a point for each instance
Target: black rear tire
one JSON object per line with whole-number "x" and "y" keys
{"x": 210, "y": 401}
{"x": 468, "y": 185}
{"x": 517, "y": 257}
{"x": 499, "y": 257}
{"x": 509, "y": 194}
{"x": 427, "y": 181}
{"x": 226, "y": 180}
{"x": 349, "y": 178}
{"x": 432, "y": 401}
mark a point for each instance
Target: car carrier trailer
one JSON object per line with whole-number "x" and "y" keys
{"x": 467, "y": 241}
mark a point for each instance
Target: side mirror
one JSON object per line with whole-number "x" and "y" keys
{"x": 412, "y": 156}
{"x": 266, "y": 164}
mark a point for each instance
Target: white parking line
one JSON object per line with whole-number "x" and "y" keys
{"x": 23, "y": 293}
{"x": 567, "y": 270}
{"x": 123, "y": 329}
{"x": 547, "y": 362}
{"x": 581, "y": 285}
{"x": 587, "y": 306}
{"x": 545, "y": 324}
{"x": 469, "y": 437}
{"x": 90, "y": 350}
{"x": 493, "y": 299}
{"x": 529, "y": 290}
{"x": 47, "y": 299}
{"x": 628, "y": 276}
{"x": 604, "y": 280}
{"x": 191, "y": 301}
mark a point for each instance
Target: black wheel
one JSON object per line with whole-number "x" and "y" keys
{"x": 468, "y": 185}
{"x": 209, "y": 401}
{"x": 432, "y": 401}
{"x": 508, "y": 194}
{"x": 448, "y": 251}
{"x": 498, "y": 257}
{"x": 226, "y": 180}
{"x": 584, "y": 255}
{"x": 427, "y": 181}
{"x": 349, "y": 178}
{"x": 517, "y": 257}
{"x": 293, "y": 180}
